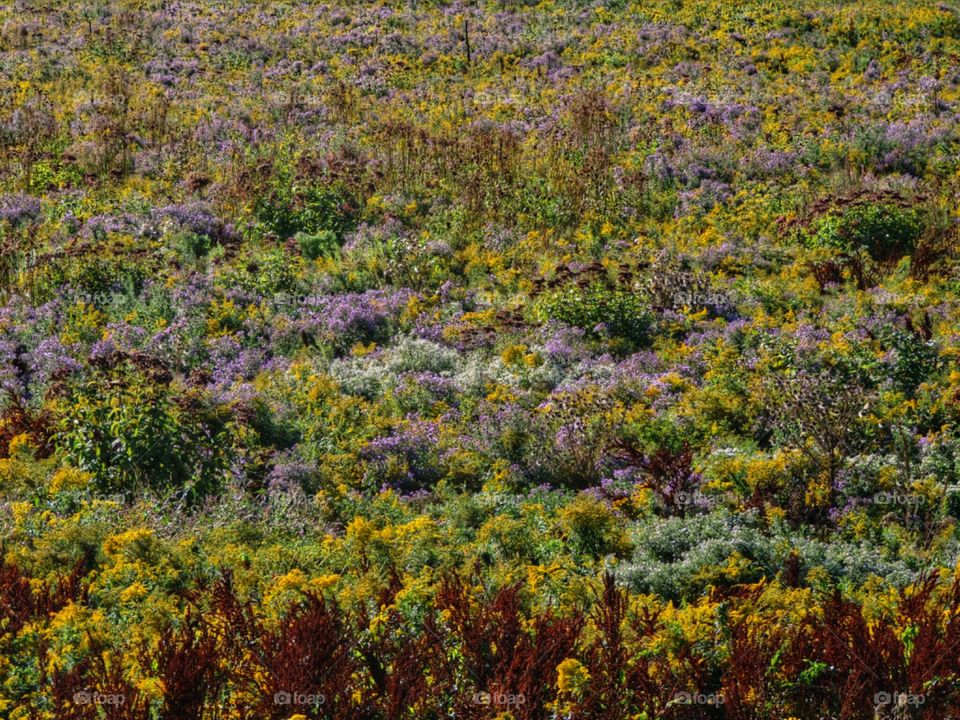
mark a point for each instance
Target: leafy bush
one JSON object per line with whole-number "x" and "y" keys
{"x": 135, "y": 433}
{"x": 592, "y": 527}
{"x": 310, "y": 209}
{"x": 317, "y": 245}
{"x": 601, "y": 310}
{"x": 192, "y": 246}
{"x": 885, "y": 232}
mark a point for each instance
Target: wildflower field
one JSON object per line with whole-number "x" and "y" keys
{"x": 514, "y": 360}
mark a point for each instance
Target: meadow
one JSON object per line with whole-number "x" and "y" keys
{"x": 502, "y": 360}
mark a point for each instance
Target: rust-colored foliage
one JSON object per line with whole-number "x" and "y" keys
{"x": 760, "y": 655}
{"x": 668, "y": 473}
{"x": 870, "y": 660}
{"x": 625, "y": 678}
{"x": 108, "y": 679}
{"x": 865, "y": 659}
{"x": 932, "y": 620}
{"x": 310, "y": 653}
{"x": 186, "y": 660}
{"x": 476, "y": 655}
{"x": 938, "y": 245}
{"x": 501, "y": 657}
{"x": 489, "y": 157}
{"x": 411, "y": 675}
{"x": 19, "y": 603}
{"x": 607, "y": 657}
{"x": 233, "y": 619}
{"x": 96, "y": 687}
{"x": 68, "y": 588}
{"x": 18, "y": 419}
{"x": 407, "y": 666}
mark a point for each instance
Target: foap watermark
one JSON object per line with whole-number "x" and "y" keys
{"x": 498, "y": 698}
{"x": 686, "y": 499}
{"x": 698, "y": 698}
{"x": 898, "y": 699}
{"x": 298, "y": 698}
{"x": 678, "y": 290}
{"x": 696, "y": 299}
{"x": 496, "y": 97}
{"x": 92, "y": 697}
{"x": 295, "y": 98}
{"x": 70, "y": 296}
{"x": 292, "y": 301}
{"x": 895, "y": 498}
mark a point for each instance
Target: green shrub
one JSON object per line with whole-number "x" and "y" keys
{"x": 885, "y": 232}
{"x": 592, "y": 527}
{"x": 317, "y": 245}
{"x": 192, "y": 246}
{"x": 132, "y": 432}
{"x": 915, "y": 360}
{"x": 312, "y": 209}
{"x": 599, "y": 310}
